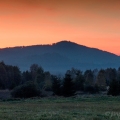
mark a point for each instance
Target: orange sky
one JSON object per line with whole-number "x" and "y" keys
{"x": 94, "y": 23}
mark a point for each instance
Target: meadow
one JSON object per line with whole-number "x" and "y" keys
{"x": 60, "y": 108}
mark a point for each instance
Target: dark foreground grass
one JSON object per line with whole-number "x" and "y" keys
{"x": 82, "y": 108}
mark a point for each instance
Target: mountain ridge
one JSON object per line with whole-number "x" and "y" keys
{"x": 59, "y": 57}
{"x": 54, "y": 44}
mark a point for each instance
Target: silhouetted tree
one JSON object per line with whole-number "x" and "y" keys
{"x": 114, "y": 88}
{"x": 10, "y": 76}
{"x": 110, "y": 74}
{"x": 56, "y": 85}
{"x": 79, "y": 81}
{"x": 68, "y": 86}
{"x": 33, "y": 70}
{"x": 17, "y": 75}
{"x": 118, "y": 74}
{"x": 3, "y": 76}
{"x": 89, "y": 78}
{"x": 48, "y": 81}
{"x": 101, "y": 80}
{"x": 40, "y": 78}
{"x": 26, "y": 76}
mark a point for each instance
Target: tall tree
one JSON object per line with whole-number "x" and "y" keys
{"x": 3, "y": 76}
{"x": 114, "y": 88}
{"x": 89, "y": 78}
{"x": 68, "y": 86}
{"x": 101, "y": 80}
{"x": 56, "y": 85}
{"x": 48, "y": 81}
{"x": 110, "y": 74}
{"x": 33, "y": 70}
{"x": 79, "y": 81}
{"x": 26, "y": 76}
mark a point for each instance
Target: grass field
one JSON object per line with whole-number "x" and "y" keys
{"x": 82, "y": 108}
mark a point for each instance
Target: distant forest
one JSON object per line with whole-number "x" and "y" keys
{"x": 35, "y": 81}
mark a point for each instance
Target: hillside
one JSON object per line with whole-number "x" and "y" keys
{"x": 59, "y": 57}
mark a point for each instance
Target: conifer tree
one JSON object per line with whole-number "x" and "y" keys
{"x": 68, "y": 86}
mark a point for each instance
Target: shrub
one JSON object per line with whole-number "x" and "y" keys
{"x": 26, "y": 90}
{"x": 114, "y": 89}
{"x": 91, "y": 89}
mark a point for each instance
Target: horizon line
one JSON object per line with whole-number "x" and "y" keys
{"x": 51, "y": 44}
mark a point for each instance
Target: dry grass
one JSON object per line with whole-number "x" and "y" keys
{"x": 82, "y": 108}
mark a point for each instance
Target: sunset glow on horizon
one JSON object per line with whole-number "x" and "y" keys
{"x": 93, "y": 23}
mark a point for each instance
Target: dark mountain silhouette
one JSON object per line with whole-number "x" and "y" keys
{"x": 59, "y": 57}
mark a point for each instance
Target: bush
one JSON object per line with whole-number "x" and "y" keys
{"x": 91, "y": 89}
{"x": 114, "y": 89}
{"x": 26, "y": 90}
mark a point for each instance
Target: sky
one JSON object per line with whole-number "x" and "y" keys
{"x": 93, "y": 23}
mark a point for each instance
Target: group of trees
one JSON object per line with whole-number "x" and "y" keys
{"x": 10, "y": 76}
{"x": 33, "y": 82}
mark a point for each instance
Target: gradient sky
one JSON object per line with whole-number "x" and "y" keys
{"x": 93, "y": 23}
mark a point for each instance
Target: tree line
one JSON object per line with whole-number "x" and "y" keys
{"x": 35, "y": 81}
